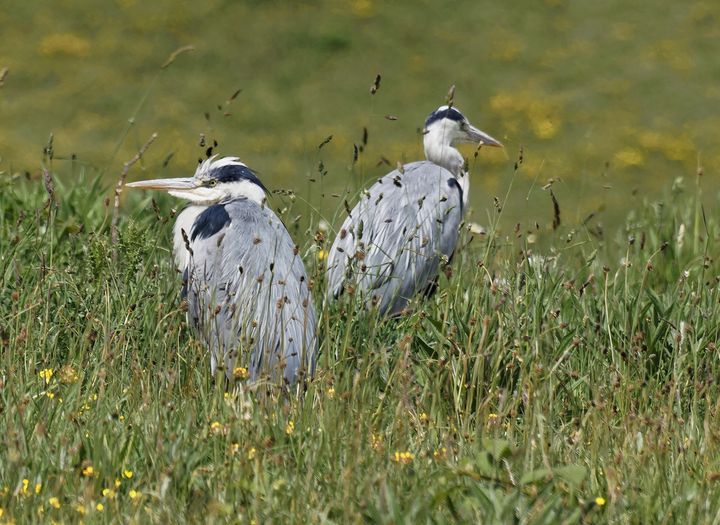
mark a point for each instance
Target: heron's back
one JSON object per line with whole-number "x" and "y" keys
{"x": 391, "y": 244}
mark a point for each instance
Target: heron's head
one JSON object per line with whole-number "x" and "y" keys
{"x": 447, "y": 126}
{"x": 214, "y": 181}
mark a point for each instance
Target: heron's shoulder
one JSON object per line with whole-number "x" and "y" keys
{"x": 210, "y": 221}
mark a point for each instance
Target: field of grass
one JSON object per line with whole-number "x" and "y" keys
{"x": 565, "y": 372}
{"x": 576, "y": 385}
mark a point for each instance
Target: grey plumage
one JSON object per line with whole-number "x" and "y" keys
{"x": 391, "y": 245}
{"x": 248, "y": 296}
{"x": 244, "y": 281}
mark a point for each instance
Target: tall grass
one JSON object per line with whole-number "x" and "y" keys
{"x": 576, "y": 383}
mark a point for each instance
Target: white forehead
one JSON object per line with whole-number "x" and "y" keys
{"x": 211, "y": 164}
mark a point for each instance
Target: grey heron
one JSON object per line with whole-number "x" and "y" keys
{"x": 245, "y": 283}
{"x": 391, "y": 244}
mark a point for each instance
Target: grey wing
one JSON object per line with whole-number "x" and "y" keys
{"x": 391, "y": 244}
{"x": 249, "y": 297}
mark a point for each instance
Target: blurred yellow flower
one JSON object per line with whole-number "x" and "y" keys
{"x": 599, "y": 501}
{"x": 46, "y": 374}
{"x": 25, "y": 485}
{"x": 88, "y": 471}
{"x": 118, "y": 483}
{"x": 65, "y": 44}
{"x": 133, "y": 494}
{"x": 322, "y": 255}
{"x": 38, "y": 488}
{"x": 629, "y": 157}
{"x": 100, "y": 507}
{"x": 362, "y": 7}
{"x": 290, "y": 427}
{"x": 79, "y": 508}
{"x": 403, "y": 457}
{"x": 127, "y": 474}
{"x": 331, "y": 392}
{"x": 545, "y": 128}
{"x": 251, "y": 453}
{"x": 50, "y": 394}
{"x": 54, "y": 502}
{"x": 108, "y": 493}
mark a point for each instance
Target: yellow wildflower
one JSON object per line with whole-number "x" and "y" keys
{"x": 100, "y": 507}
{"x": 117, "y": 483}
{"x": 127, "y": 474}
{"x": 54, "y": 502}
{"x": 216, "y": 427}
{"x": 108, "y": 493}
{"x": 88, "y": 471}
{"x": 251, "y": 453}
{"x": 134, "y": 494}
{"x": 240, "y": 372}
{"x": 599, "y": 501}
{"x": 25, "y": 484}
{"x": 331, "y": 392}
{"x": 403, "y": 457}
{"x": 322, "y": 255}
{"x": 80, "y": 509}
{"x": 290, "y": 427}
{"x": 439, "y": 453}
{"x": 50, "y": 394}
{"x": 46, "y": 374}
{"x": 424, "y": 418}
{"x": 38, "y": 488}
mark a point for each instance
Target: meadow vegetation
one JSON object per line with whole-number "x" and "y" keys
{"x": 566, "y": 370}
{"x": 576, "y": 385}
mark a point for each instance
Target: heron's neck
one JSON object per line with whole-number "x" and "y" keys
{"x": 439, "y": 151}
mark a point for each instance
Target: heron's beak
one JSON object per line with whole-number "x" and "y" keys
{"x": 188, "y": 183}
{"x": 480, "y": 137}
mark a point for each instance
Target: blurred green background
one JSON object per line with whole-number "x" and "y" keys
{"x": 612, "y": 100}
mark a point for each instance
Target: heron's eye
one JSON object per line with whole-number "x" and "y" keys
{"x": 211, "y": 182}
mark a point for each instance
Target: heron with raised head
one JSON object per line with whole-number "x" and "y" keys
{"x": 246, "y": 287}
{"x": 392, "y": 243}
